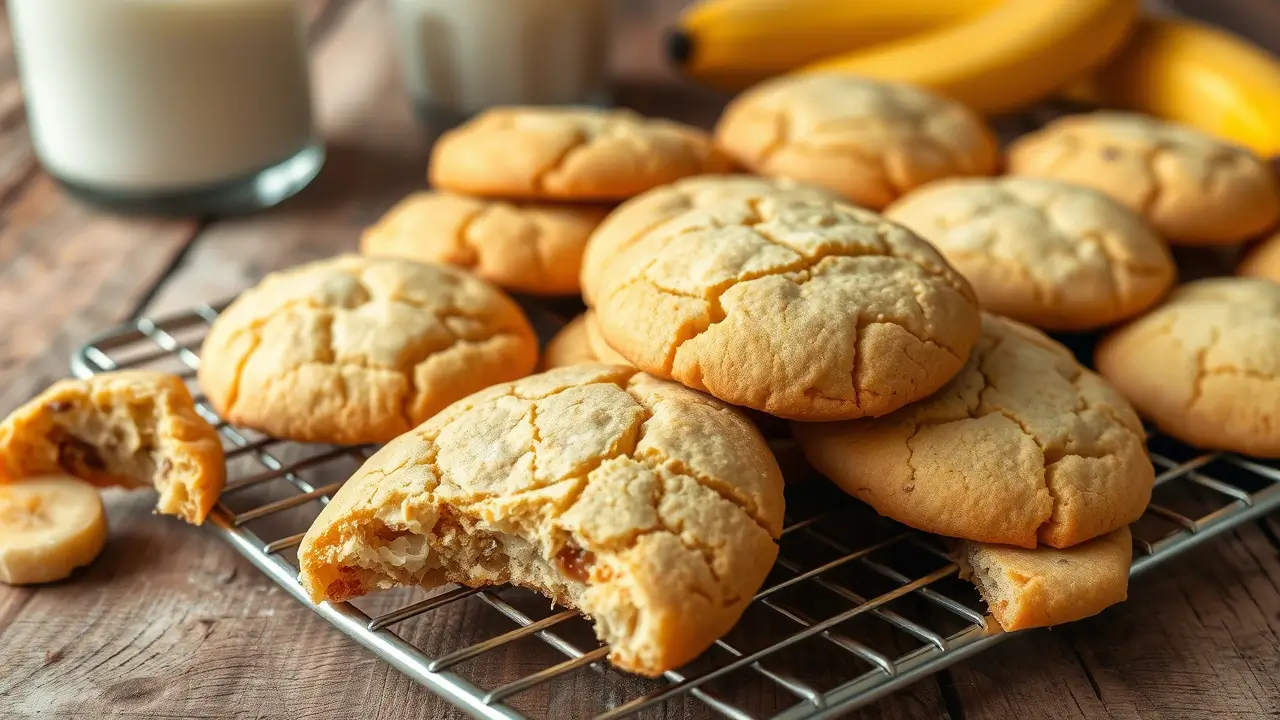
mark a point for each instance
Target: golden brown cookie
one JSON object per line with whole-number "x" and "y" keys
{"x": 1047, "y": 586}
{"x": 639, "y": 215}
{"x": 1263, "y": 260}
{"x": 651, "y": 508}
{"x": 1056, "y": 256}
{"x": 1024, "y": 446}
{"x": 579, "y": 342}
{"x": 130, "y": 428}
{"x": 535, "y": 249}
{"x": 358, "y": 349}
{"x": 870, "y": 141}
{"x": 1205, "y": 365}
{"x": 545, "y": 153}
{"x": 1194, "y": 189}
{"x": 802, "y": 309}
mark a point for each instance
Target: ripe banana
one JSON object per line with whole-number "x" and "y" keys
{"x": 1002, "y": 60}
{"x": 1193, "y": 74}
{"x": 735, "y": 43}
{"x": 49, "y": 526}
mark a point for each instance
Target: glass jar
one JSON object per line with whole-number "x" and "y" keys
{"x": 462, "y": 57}
{"x": 174, "y": 106}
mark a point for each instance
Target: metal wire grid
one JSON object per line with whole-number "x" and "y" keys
{"x": 840, "y": 565}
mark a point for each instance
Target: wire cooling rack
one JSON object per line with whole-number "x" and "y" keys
{"x": 855, "y": 607}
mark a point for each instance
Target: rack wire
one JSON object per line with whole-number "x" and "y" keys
{"x": 855, "y": 608}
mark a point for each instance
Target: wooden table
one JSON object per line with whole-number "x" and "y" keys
{"x": 170, "y": 622}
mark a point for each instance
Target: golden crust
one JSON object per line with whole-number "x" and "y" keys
{"x": 630, "y": 221}
{"x": 1053, "y": 255}
{"x": 1023, "y": 446}
{"x": 129, "y": 428}
{"x": 1048, "y": 586}
{"x": 358, "y": 350}
{"x": 1263, "y": 260}
{"x": 1205, "y": 365}
{"x": 808, "y": 310}
{"x": 870, "y": 141}
{"x": 648, "y": 506}
{"x": 535, "y": 249}
{"x": 579, "y": 342}
{"x": 540, "y": 153}
{"x": 1194, "y": 189}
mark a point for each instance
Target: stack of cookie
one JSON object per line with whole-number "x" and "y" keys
{"x": 519, "y": 191}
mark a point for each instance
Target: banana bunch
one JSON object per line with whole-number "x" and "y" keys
{"x": 997, "y": 56}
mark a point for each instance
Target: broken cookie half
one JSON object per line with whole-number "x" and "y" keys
{"x": 650, "y": 507}
{"x": 1046, "y": 586}
{"x": 130, "y": 428}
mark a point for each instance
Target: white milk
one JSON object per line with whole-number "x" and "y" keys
{"x": 162, "y": 95}
{"x": 462, "y": 56}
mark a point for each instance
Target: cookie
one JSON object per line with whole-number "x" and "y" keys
{"x": 580, "y": 342}
{"x": 1263, "y": 260}
{"x": 1205, "y": 365}
{"x": 807, "y": 310}
{"x": 1046, "y": 586}
{"x": 1023, "y": 447}
{"x": 360, "y": 349}
{"x": 1056, "y": 256}
{"x": 868, "y": 140}
{"x": 534, "y": 249}
{"x": 651, "y": 508}
{"x": 545, "y": 153}
{"x": 1194, "y": 189}
{"x": 130, "y": 428}
{"x": 639, "y": 215}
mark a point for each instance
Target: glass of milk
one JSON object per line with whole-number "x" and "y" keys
{"x": 174, "y": 106}
{"x": 462, "y": 56}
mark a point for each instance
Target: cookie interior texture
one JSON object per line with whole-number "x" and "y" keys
{"x": 129, "y": 429}
{"x": 804, "y": 309}
{"x": 1205, "y": 365}
{"x": 356, "y": 349}
{"x": 1049, "y": 586}
{"x": 1193, "y": 188}
{"x": 1053, "y": 255}
{"x": 651, "y": 508}
{"x": 631, "y": 220}
{"x": 1023, "y": 447}
{"x": 868, "y": 140}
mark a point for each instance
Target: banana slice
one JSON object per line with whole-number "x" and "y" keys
{"x": 49, "y": 526}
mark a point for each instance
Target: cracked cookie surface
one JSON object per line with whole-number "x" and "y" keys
{"x": 535, "y": 249}
{"x": 129, "y": 428}
{"x": 1194, "y": 189}
{"x": 569, "y": 154}
{"x": 809, "y": 310}
{"x": 1049, "y": 586}
{"x": 630, "y": 221}
{"x": 579, "y": 342}
{"x": 1053, "y": 255}
{"x": 1205, "y": 365}
{"x": 1263, "y": 260}
{"x": 358, "y": 349}
{"x": 652, "y": 508}
{"x": 1023, "y": 447}
{"x": 868, "y": 140}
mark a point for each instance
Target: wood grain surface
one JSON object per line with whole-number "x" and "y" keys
{"x": 172, "y": 623}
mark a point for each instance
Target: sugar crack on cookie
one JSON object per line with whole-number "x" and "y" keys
{"x": 1205, "y": 365}
{"x": 360, "y": 349}
{"x": 803, "y": 309}
{"x": 1023, "y": 447}
{"x": 1056, "y": 256}
{"x": 569, "y": 154}
{"x": 649, "y": 507}
{"x": 131, "y": 428}
{"x": 870, "y": 141}
{"x": 1194, "y": 189}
